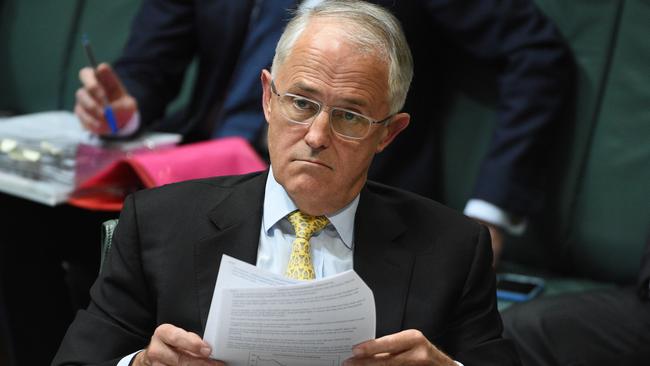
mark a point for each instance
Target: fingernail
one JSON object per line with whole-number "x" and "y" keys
{"x": 205, "y": 351}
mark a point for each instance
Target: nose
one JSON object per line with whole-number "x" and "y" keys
{"x": 319, "y": 134}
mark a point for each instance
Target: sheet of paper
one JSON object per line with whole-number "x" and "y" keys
{"x": 258, "y": 318}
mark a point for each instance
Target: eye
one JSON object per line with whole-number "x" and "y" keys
{"x": 349, "y": 116}
{"x": 302, "y": 104}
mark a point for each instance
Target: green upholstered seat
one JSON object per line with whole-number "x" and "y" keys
{"x": 41, "y": 53}
{"x": 33, "y": 53}
{"x": 612, "y": 207}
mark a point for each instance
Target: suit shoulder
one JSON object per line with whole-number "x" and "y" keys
{"x": 418, "y": 208}
{"x": 204, "y": 189}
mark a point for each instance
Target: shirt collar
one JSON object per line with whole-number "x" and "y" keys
{"x": 278, "y": 204}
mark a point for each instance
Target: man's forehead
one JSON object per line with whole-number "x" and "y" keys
{"x": 325, "y": 56}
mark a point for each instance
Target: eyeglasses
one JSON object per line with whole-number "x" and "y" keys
{"x": 345, "y": 123}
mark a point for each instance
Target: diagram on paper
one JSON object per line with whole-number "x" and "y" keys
{"x": 273, "y": 359}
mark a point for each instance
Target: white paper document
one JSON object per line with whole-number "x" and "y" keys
{"x": 258, "y": 318}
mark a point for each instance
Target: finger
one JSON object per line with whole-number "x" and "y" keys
{"x": 111, "y": 82}
{"x": 89, "y": 104}
{"x": 182, "y": 340}
{"x": 424, "y": 353}
{"x": 124, "y": 108}
{"x": 393, "y": 343}
{"x": 159, "y": 353}
{"x": 90, "y": 83}
{"x": 89, "y": 122}
{"x": 420, "y": 355}
{"x": 381, "y": 359}
{"x": 89, "y": 112}
{"x": 186, "y": 360}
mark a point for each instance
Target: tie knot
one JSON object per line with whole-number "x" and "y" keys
{"x": 306, "y": 225}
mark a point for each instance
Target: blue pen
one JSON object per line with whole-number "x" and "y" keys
{"x": 108, "y": 111}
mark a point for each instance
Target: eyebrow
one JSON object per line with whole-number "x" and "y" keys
{"x": 302, "y": 87}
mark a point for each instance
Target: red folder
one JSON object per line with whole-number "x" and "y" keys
{"x": 107, "y": 189}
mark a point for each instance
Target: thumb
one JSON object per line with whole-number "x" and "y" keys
{"x": 110, "y": 82}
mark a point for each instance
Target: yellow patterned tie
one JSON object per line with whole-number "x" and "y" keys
{"x": 300, "y": 265}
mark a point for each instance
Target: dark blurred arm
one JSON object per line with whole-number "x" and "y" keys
{"x": 161, "y": 46}
{"x": 535, "y": 81}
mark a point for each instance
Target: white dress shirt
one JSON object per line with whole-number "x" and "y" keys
{"x": 331, "y": 248}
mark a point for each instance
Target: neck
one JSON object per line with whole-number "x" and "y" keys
{"x": 320, "y": 206}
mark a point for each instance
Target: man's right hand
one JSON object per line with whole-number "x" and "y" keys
{"x": 94, "y": 93}
{"x": 171, "y": 345}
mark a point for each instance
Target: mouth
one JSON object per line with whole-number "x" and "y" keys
{"x": 314, "y": 162}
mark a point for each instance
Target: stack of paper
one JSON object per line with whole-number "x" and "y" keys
{"x": 40, "y": 154}
{"x": 259, "y": 318}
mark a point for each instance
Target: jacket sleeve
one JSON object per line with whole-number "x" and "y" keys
{"x": 474, "y": 334}
{"x": 162, "y": 43}
{"x": 120, "y": 318}
{"x": 536, "y": 80}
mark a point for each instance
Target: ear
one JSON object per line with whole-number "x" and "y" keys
{"x": 396, "y": 125}
{"x": 265, "y": 77}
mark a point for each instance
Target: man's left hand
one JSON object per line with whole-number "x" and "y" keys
{"x": 409, "y": 347}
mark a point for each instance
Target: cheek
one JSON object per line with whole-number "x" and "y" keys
{"x": 276, "y": 141}
{"x": 282, "y": 143}
{"x": 354, "y": 163}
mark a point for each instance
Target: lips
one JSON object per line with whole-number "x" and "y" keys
{"x": 315, "y": 162}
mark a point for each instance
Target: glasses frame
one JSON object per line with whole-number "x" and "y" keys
{"x": 321, "y": 106}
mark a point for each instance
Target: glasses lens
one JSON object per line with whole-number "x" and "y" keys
{"x": 298, "y": 109}
{"x": 349, "y": 124}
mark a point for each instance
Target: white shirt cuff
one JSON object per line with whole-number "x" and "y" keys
{"x": 492, "y": 214}
{"x": 126, "y": 361}
{"x": 458, "y": 363}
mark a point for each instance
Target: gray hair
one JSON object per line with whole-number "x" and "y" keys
{"x": 373, "y": 29}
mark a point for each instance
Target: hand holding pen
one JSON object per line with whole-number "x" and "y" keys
{"x": 102, "y": 103}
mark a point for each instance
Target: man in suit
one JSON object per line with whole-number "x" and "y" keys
{"x": 593, "y": 328}
{"x": 332, "y": 101}
{"x": 512, "y": 40}
{"x": 227, "y": 39}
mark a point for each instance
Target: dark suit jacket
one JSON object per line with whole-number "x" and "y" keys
{"x": 428, "y": 267}
{"x": 166, "y": 36}
{"x": 511, "y": 39}
{"x": 505, "y": 53}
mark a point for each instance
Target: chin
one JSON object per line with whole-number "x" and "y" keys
{"x": 305, "y": 184}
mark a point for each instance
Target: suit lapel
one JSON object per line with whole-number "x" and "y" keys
{"x": 380, "y": 259}
{"x": 238, "y": 218}
{"x": 379, "y": 256}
